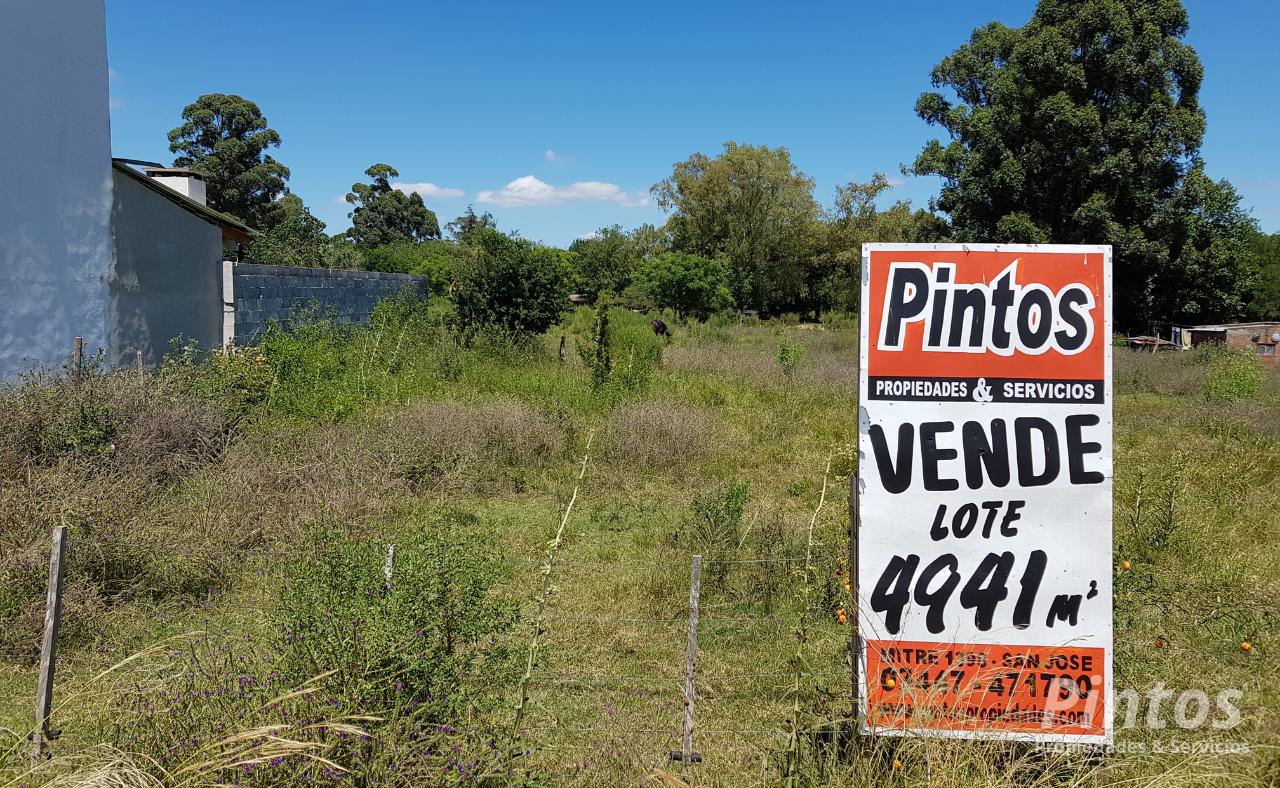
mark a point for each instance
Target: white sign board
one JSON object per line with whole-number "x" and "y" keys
{"x": 985, "y": 451}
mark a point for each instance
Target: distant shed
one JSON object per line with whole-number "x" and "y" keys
{"x": 1261, "y": 338}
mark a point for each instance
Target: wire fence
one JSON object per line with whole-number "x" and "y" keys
{"x": 735, "y": 694}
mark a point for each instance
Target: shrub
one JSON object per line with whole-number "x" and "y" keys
{"x": 1233, "y": 376}
{"x": 622, "y": 352}
{"x": 840, "y": 321}
{"x": 142, "y": 426}
{"x": 438, "y": 442}
{"x": 511, "y": 285}
{"x": 237, "y": 379}
{"x": 691, "y": 285}
{"x": 598, "y": 354}
{"x": 658, "y": 435}
{"x": 791, "y": 355}
{"x": 437, "y": 260}
{"x": 420, "y": 639}
{"x": 715, "y": 527}
{"x": 308, "y": 358}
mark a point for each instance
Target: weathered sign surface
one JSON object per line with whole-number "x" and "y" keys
{"x": 984, "y": 539}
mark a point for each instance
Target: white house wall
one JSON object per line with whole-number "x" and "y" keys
{"x": 55, "y": 167}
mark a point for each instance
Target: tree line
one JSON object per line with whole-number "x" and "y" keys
{"x": 1082, "y": 126}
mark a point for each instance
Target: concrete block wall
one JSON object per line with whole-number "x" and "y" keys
{"x": 274, "y": 292}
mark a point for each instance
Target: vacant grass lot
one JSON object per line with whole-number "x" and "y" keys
{"x": 227, "y": 618}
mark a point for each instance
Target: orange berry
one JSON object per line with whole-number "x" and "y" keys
{"x": 1246, "y": 646}
{"x": 897, "y": 764}
{"x": 1159, "y": 643}
{"x": 840, "y": 614}
{"x": 890, "y": 683}
{"x": 1126, "y": 566}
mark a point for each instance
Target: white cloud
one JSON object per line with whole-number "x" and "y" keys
{"x": 112, "y": 74}
{"x": 338, "y": 199}
{"x": 550, "y": 155}
{"x": 531, "y": 191}
{"x": 115, "y": 103}
{"x": 895, "y": 181}
{"x": 429, "y": 190}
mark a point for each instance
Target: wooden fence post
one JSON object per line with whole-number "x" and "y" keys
{"x": 77, "y": 359}
{"x": 49, "y": 647}
{"x": 687, "y": 755}
{"x": 389, "y": 565}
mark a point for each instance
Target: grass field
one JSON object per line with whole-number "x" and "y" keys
{"x": 229, "y": 522}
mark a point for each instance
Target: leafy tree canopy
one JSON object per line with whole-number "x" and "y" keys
{"x": 464, "y": 226}
{"x": 692, "y": 285}
{"x": 1084, "y": 126}
{"x": 753, "y": 205}
{"x": 383, "y": 215}
{"x": 437, "y": 260}
{"x": 296, "y": 237}
{"x": 1266, "y": 296}
{"x": 605, "y": 260}
{"x": 855, "y": 219}
{"x": 225, "y": 137}
{"x": 511, "y": 285}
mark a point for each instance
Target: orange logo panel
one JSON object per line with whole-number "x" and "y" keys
{"x": 1064, "y": 289}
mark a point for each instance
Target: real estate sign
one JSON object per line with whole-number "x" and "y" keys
{"x": 984, "y": 534}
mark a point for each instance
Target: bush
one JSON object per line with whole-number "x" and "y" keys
{"x": 839, "y": 321}
{"x": 422, "y": 639}
{"x": 715, "y": 527}
{"x": 791, "y": 355}
{"x": 1233, "y": 376}
{"x": 511, "y": 285}
{"x": 691, "y": 285}
{"x": 435, "y": 443}
{"x": 436, "y": 260}
{"x": 237, "y": 379}
{"x": 655, "y": 436}
{"x": 309, "y": 359}
{"x": 623, "y": 350}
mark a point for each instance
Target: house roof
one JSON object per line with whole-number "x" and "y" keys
{"x": 232, "y": 229}
{"x": 1236, "y": 326}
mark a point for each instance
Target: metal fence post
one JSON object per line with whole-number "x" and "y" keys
{"x": 49, "y": 647}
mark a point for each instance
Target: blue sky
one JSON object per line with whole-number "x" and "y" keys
{"x": 558, "y": 117}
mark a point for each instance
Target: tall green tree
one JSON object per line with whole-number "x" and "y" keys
{"x": 383, "y": 215}
{"x": 752, "y": 204}
{"x": 855, "y": 219}
{"x": 605, "y": 260}
{"x": 294, "y": 236}
{"x": 1265, "y": 304}
{"x": 462, "y": 228}
{"x": 1084, "y": 126}
{"x": 647, "y": 241}
{"x": 226, "y": 138}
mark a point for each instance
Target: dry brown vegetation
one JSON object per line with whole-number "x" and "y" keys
{"x": 186, "y": 514}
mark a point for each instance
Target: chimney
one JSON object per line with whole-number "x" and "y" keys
{"x": 182, "y": 180}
